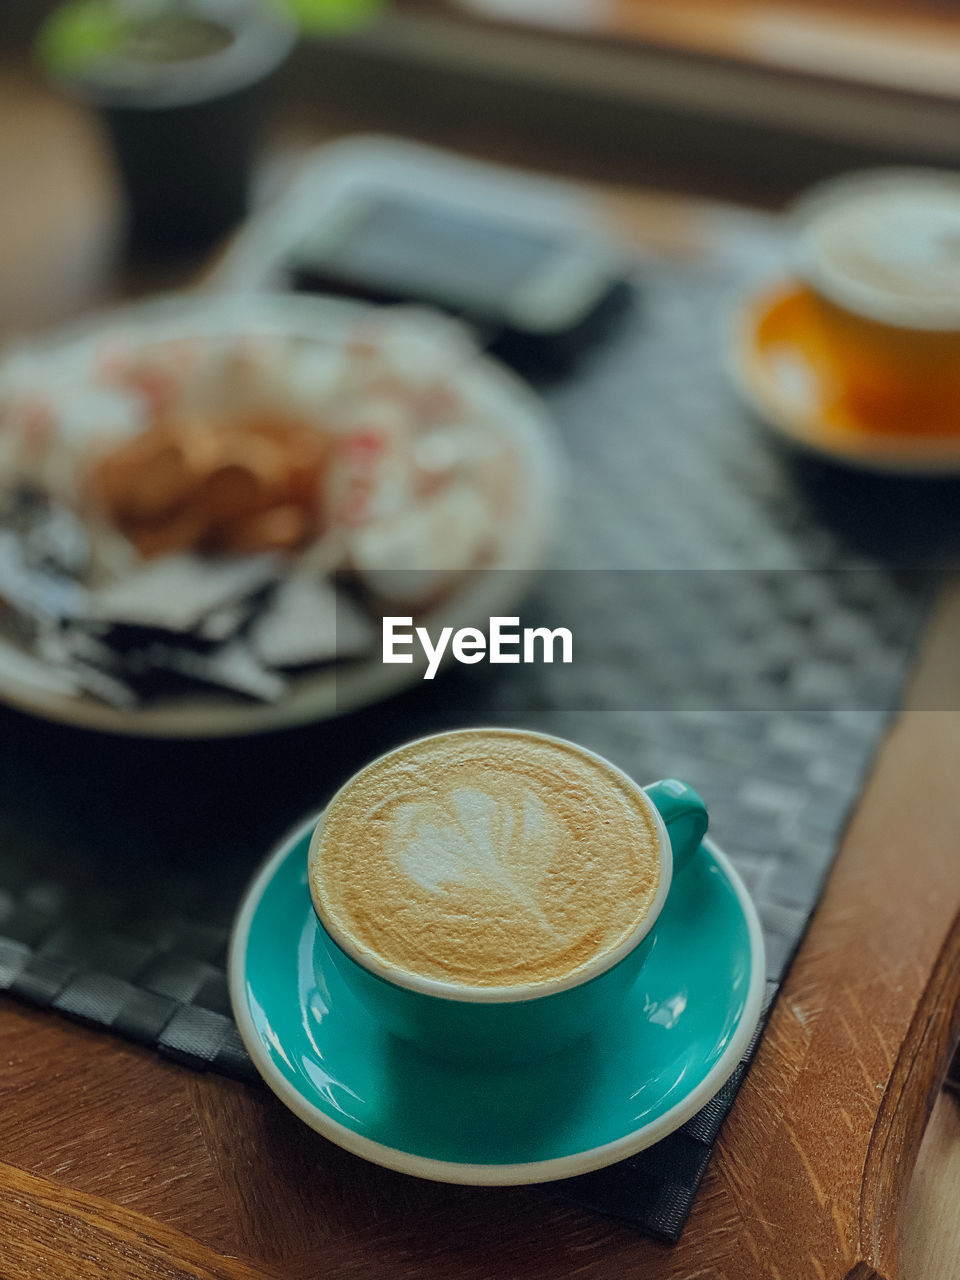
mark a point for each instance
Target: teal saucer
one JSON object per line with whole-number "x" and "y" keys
{"x": 681, "y": 1033}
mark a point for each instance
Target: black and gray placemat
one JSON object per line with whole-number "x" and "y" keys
{"x": 743, "y": 627}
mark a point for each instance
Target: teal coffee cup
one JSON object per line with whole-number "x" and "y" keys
{"x": 480, "y": 1024}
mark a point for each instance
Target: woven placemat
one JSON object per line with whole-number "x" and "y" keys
{"x": 744, "y": 627}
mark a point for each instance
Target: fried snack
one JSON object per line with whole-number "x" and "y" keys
{"x": 282, "y": 528}
{"x": 247, "y": 484}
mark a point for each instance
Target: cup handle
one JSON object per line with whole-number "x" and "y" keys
{"x": 684, "y": 815}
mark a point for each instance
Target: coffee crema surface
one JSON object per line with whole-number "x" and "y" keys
{"x": 888, "y": 247}
{"x": 487, "y": 859}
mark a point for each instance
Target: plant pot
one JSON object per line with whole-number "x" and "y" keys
{"x": 180, "y": 105}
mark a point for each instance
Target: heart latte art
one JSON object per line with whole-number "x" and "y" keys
{"x": 486, "y": 858}
{"x": 483, "y": 842}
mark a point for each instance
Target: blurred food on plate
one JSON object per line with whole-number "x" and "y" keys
{"x": 224, "y": 508}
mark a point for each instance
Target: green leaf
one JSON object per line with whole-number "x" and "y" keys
{"x": 78, "y": 35}
{"x": 322, "y": 17}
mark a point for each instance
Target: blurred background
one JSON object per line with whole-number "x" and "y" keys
{"x": 150, "y": 145}
{"x": 137, "y": 137}
{"x": 733, "y": 98}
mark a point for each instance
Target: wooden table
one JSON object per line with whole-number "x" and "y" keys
{"x": 116, "y": 1163}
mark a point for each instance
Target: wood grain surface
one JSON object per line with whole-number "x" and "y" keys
{"x": 894, "y": 44}
{"x": 114, "y": 1163}
{"x": 930, "y": 1230}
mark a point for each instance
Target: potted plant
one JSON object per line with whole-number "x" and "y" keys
{"x": 178, "y": 84}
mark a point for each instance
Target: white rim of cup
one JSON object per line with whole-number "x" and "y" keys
{"x": 854, "y": 296}
{"x": 520, "y": 992}
{"x": 492, "y": 1175}
{"x": 262, "y": 36}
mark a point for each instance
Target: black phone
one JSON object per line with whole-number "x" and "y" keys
{"x": 536, "y": 298}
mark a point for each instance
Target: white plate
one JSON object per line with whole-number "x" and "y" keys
{"x": 507, "y": 401}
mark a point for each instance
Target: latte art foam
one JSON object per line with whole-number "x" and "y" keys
{"x": 477, "y": 840}
{"x": 486, "y": 858}
{"x": 887, "y": 246}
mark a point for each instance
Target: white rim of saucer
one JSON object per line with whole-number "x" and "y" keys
{"x": 883, "y": 455}
{"x": 492, "y": 1174}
